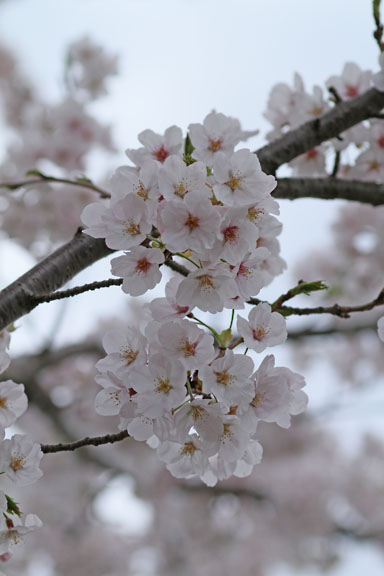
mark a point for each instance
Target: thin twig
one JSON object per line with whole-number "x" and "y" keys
{"x": 78, "y": 290}
{"x": 336, "y": 164}
{"x": 335, "y": 309}
{"x": 378, "y": 32}
{"x": 95, "y": 441}
{"x": 42, "y": 178}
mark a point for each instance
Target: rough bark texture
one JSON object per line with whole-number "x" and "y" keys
{"x": 330, "y": 189}
{"x": 23, "y": 295}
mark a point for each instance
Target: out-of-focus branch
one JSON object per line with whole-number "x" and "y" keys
{"x": 95, "y": 441}
{"x": 42, "y": 178}
{"x": 330, "y": 189}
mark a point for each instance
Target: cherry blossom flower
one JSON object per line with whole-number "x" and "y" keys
{"x": 192, "y": 224}
{"x": 157, "y": 147}
{"x": 228, "y": 379}
{"x": 263, "y": 328}
{"x": 13, "y": 402}
{"x": 207, "y": 288}
{"x": 19, "y": 460}
{"x": 352, "y": 82}
{"x": 139, "y": 269}
{"x": 204, "y": 416}
{"x": 12, "y": 531}
{"x": 123, "y": 225}
{"x": 160, "y": 386}
{"x": 109, "y": 401}
{"x": 187, "y": 459}
{"x": 167, "y": 308}
{"x": 126, "y": 352}
{"x": 176, "y": 179}
{"x": 182, "y": 340}
{"x": 240, "y": 179}
{"x": 218, "y": 133}
{"x": 250, "y": 276}
{"x": 277, "y": 394}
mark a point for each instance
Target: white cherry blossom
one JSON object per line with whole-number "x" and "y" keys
{"x": 157, "y": 147}
{"x": 263, "y": 328}
{"x": 228, "y": 379}
{"x": 126, "y": 352}
{"x": 182, "y": 340}
{"x": 176, "y": 179}
{"x": 207, "y": 288}
{"x": 160, "y": 386}
{"x": 240, "y": 179}
{"x": 12, "y": 531}
{"x": 139, "y": 269}
{"x": 192, "y": 224}
{"x": 218, "y": 133}
{"x": 19, "y": 460}
{"x": 13, "y": 402}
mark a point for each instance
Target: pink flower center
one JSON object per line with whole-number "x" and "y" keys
{"x": 259, "y": 333}
{"x": 129, "y": 354}
{"x": 381, "y": 142}
{"x": 163, "y": 386}
{"x": 161, "y": 154}
{"x": 224, "y": 378}
{"x": 17, "y": 463}
{"x": 215, "y": 145}
{"x": 142, "y": 266}
{"x": 3, "y": 402}
{"x": 231, "y": 234}
{"x": 192, "y": 222}
{"x": 188, "y": 449}
{"x": 311, "y": 154}
{"x": 189, "y": 348}
{"x": 351, "y": 91}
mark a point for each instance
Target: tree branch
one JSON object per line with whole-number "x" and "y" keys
{"x": 330, "y": 189}
{"x": 42, "y": 178}
{"x": 309, "y": 135}
{"x": 78, "y": 290}
{"x": 21, "y": 296}
{"x": 95, "y": 441}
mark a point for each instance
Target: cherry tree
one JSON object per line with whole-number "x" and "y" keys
{"x": 180, "y": 394}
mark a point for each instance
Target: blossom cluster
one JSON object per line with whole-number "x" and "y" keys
{"x": 19, "y": 459}
{"x": 204, "y": 202}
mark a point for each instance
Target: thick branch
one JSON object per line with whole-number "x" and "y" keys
{"x": 309, "y": 135}
{"x": 22, "y": 296}
{"x": 95, "y": 441}
{"x": 330, "y": 189}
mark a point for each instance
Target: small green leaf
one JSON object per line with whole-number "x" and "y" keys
{"x": 224, "y": 338}
{"x": 35, "y": 172}
{"x": 12, "y": 506}
{"x": 188, "y": 146}
{"x": 308, "y": 287}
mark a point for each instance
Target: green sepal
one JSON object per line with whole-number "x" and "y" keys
{"x": 12, "y": 506}
{"x": 224, "y": 338}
